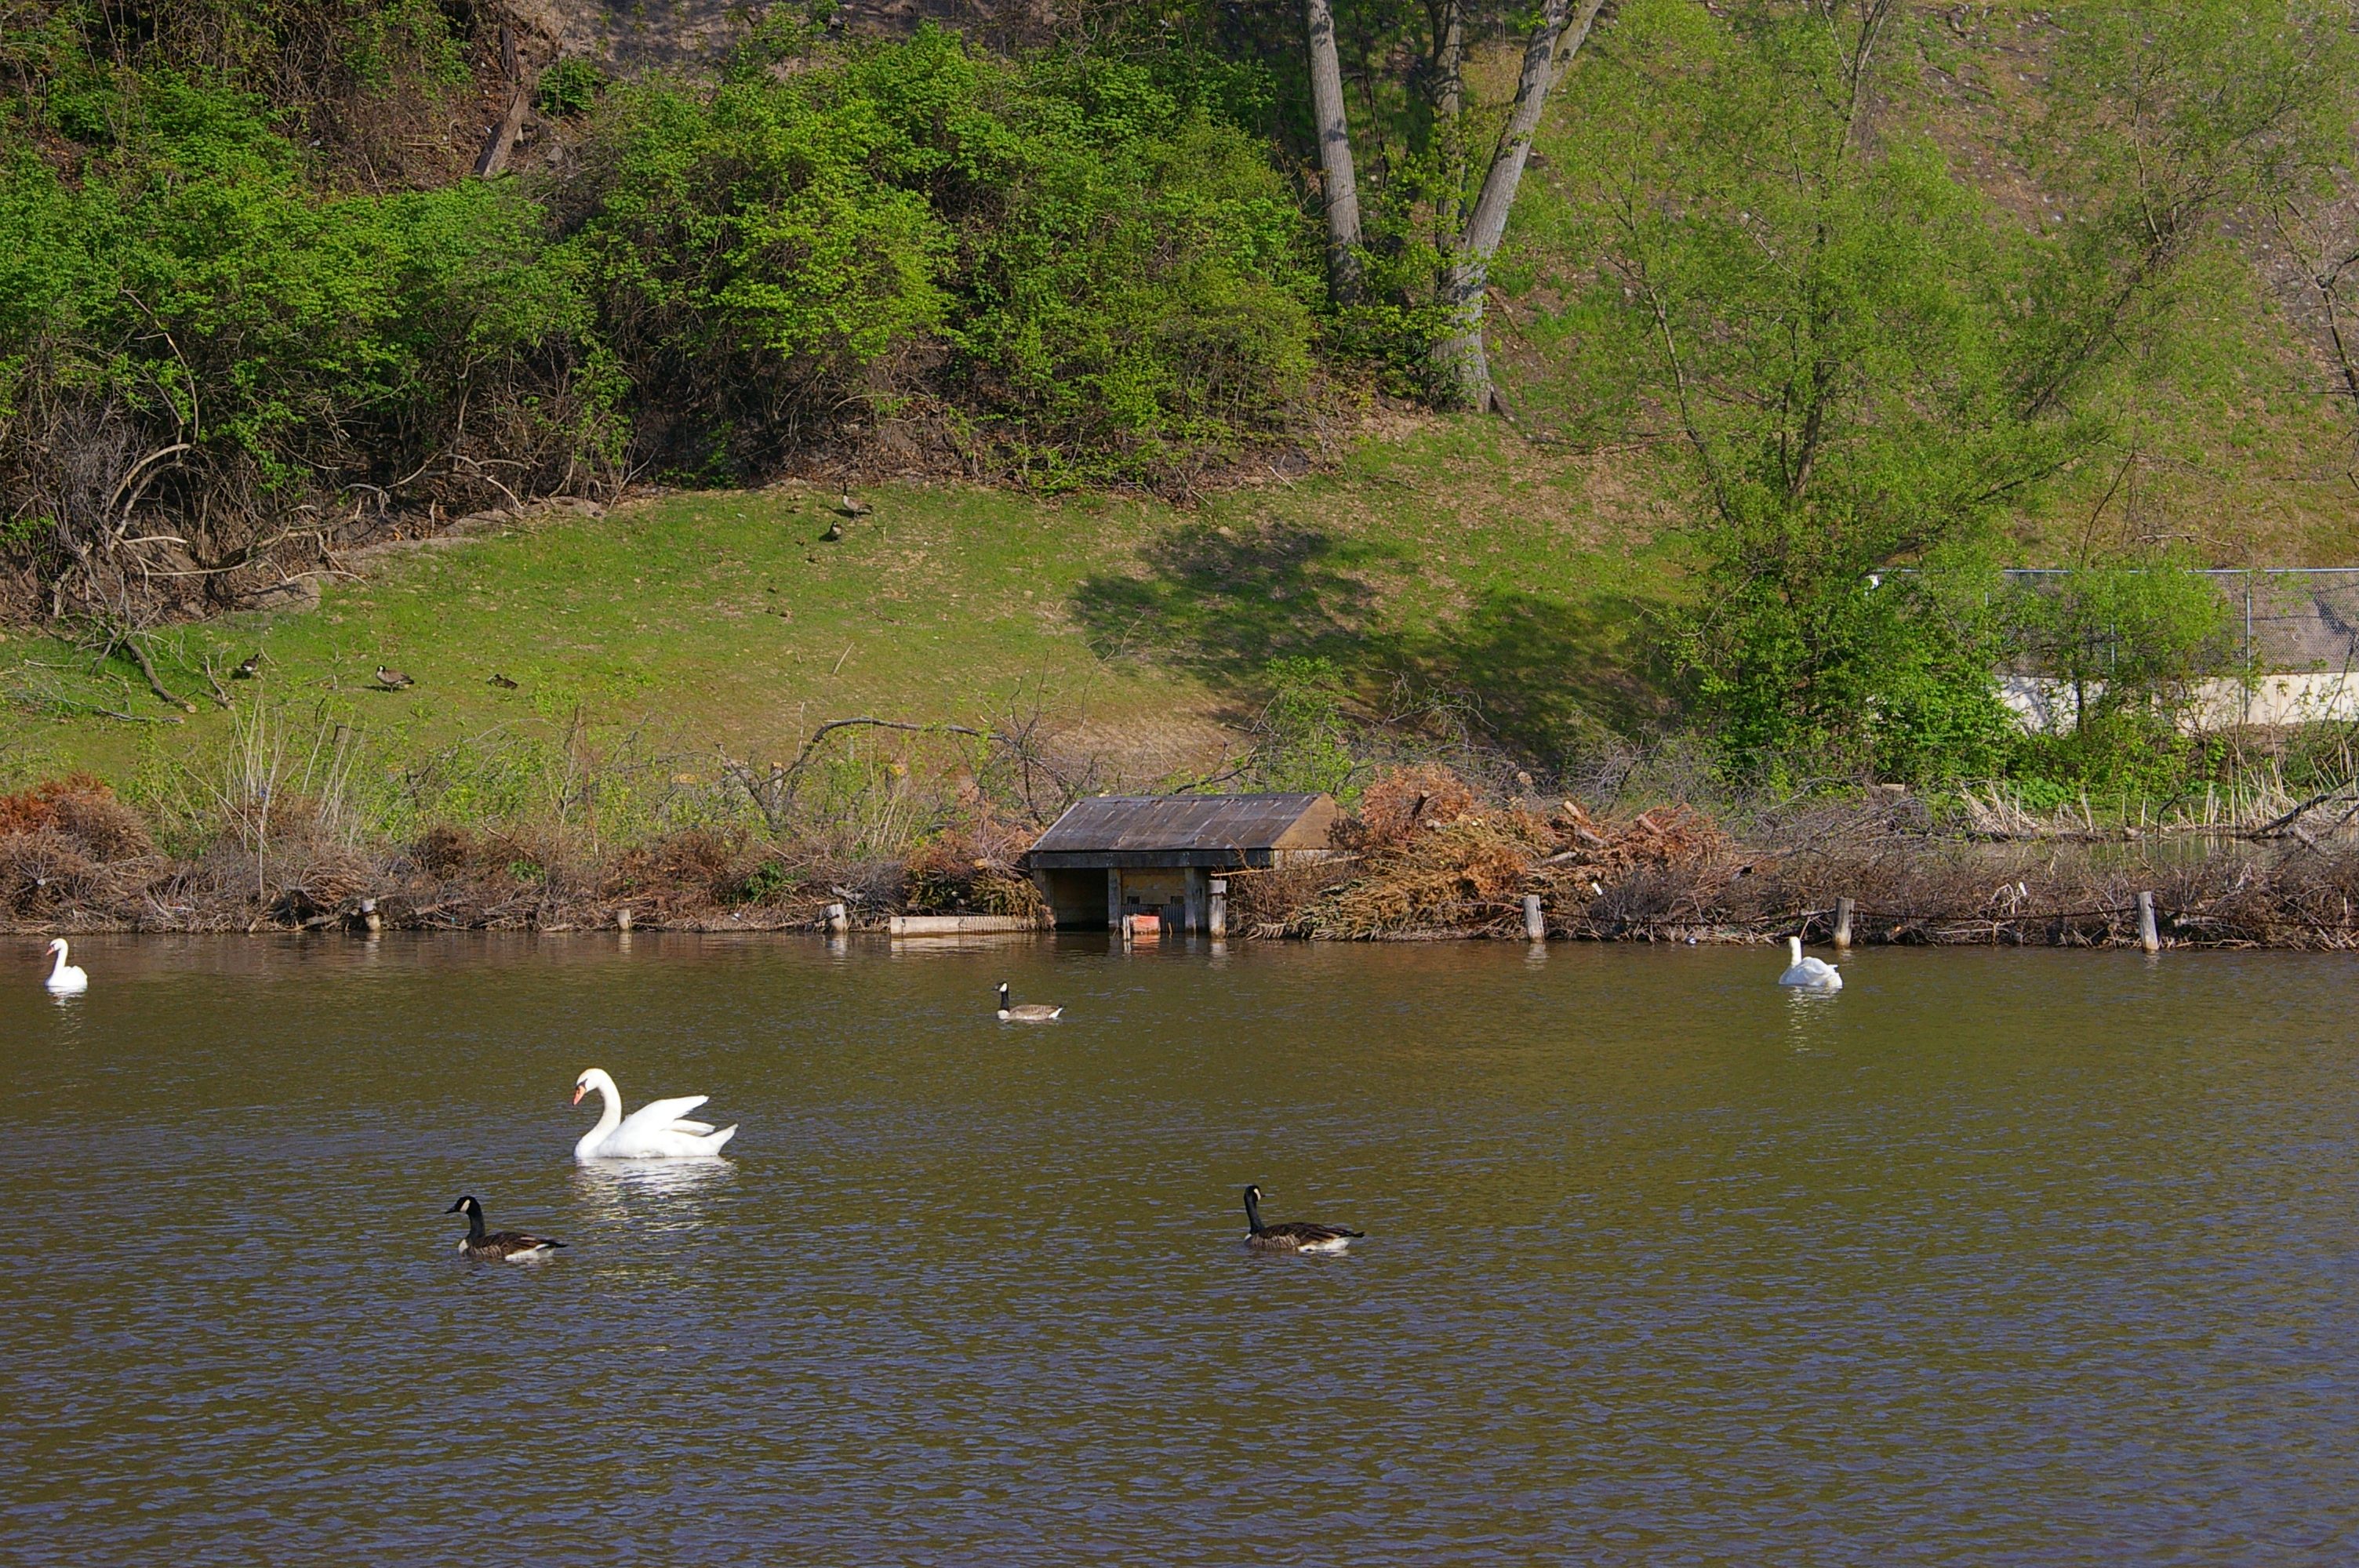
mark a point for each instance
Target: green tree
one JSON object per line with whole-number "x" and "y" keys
{"x": 1865, "y": 363}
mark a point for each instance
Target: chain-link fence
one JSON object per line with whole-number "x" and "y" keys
{"x": 2287, "y": 619}
{"x": 2291, "y": 655}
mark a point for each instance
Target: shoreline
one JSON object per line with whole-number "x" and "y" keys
{"x": 2093, "y": 928}
{"x": 1421, "y": 858}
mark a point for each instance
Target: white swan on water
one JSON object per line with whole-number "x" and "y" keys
{"x": 1812, "y": 974}
{"x": 65, "y": 979}
{"x": 658, "y": 1129}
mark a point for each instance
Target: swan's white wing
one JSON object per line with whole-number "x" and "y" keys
{"x": 662, "y": 1113}
{"x": 661, "y": 1129}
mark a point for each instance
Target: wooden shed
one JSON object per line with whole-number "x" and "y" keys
{"x": 1113, "y": 855}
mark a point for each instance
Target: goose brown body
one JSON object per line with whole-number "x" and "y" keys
{"x": 1024, "y": 1013}
{"x": 498, "y": 1246}
{"x": 1293, "y": 1236}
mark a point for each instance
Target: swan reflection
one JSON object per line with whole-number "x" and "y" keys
{"x": 1810, "y": 1026}
{"x": 614, "y": 1187}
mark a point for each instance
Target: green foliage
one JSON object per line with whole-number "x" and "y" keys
{"x": 1829, "y": 330}
{"x": 1133, "y": 276}
{"x": 192, "y": 288}
{"x": 766, "y": 881}
{"x": 750, "y": 253}
{"x": 572, "y": 86}
{"x": 2127, "y": 643}
{"x": 1299, "y": 739}
{"x": 1107, "y": 282}
{"x": 1074, "y": 272}
{"x": 1867, "y": 364}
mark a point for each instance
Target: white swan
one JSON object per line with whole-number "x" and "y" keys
{"x": 1813, "y": 974}
{"x": 65, "y": 979}
{"x": 658, "y": 1129}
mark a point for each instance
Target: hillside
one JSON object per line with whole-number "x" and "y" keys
{"x": 1438, "y": 561}
{"x": 1782, "y": 310}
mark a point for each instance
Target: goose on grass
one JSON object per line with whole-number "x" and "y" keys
{"x": 498, "y": 1246}
{"x": 65, "y": 979}
{"x": 1024, "y": 1013}
{"x": 1292, "y": 1236}
{"x": 1809, "y": 973}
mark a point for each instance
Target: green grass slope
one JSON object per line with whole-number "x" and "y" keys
{"x": 1443, "y": 559}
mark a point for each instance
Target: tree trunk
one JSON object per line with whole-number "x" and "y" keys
{"x": 1449, "y": 60}
{"x": 1446, "y": 87}
{"x": 493, "y": 158}
{"x": 1461, "y": 367}
{"x": 1339, "y": 186}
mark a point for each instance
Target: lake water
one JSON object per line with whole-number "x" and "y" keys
{"x": 1996, "y": 1258}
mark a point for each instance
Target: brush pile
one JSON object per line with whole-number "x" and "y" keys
{"x": 1425, "y": 856}
{"x": 1432, "y": 862}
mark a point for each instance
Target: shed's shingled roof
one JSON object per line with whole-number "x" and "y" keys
{"x": 1149, "y": 822}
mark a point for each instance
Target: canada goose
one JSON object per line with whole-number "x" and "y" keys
{"x": 1294, "y": 1235}
{"x": 65, "y": 979}
{"x": 1809, "y": 973}
{"x": 834, "y": 532}
{"x": 392, "y": 680}
{"x": 849, "y": 507}
{"x": 499, "y": 1246}
{"x": 501, "y": 681}
{"x": 249, "y": 669}
{"x": 1030, "y": 1012}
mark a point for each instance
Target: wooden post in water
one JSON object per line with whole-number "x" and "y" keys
{"x": 1843, "y": 922}
{"x": 2149, "y": 939}
{"x": 1534, "y": 925}
{"x": 1216, "y": 914}
{"x": 622, "y": 920}
{"x": 839, "y": 920}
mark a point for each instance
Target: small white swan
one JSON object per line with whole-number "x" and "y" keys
{"x": 65, "y": 979}
{"x": 658, "y": 1129}
{"x": 1813, "y": 974}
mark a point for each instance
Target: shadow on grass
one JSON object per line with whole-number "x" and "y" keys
{"x": 1541, "y": 675}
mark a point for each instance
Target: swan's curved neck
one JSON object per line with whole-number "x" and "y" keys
{"x": 59, "y": 955}
{"x": 1794, "y": 946}
{"x": 609, "y": 1118}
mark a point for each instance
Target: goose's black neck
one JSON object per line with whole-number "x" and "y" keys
{"x": 1253, "y": 1213}
{"x": 474, "y": 1222}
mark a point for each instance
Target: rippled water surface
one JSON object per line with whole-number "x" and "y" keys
{"x": 1996, "y": 1258}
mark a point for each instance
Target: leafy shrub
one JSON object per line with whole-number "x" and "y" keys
{"x": 766, "y": 881}
{"x": 1299, "y": 740}
{"x": 191, "y": 314}
{"x": 1101, "y": 281}
{"x": 570, "y": 87}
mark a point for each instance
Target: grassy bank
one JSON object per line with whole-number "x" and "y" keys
{"x": 1443, "y": 559}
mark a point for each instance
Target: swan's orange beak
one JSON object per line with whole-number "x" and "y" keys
{"x": 578, "y": 1090}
